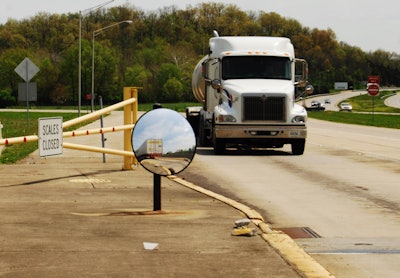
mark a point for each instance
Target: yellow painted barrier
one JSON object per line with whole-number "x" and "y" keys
{"x": 97, "y": 149}
{"x": 97, "y": 114}
{"x": 66, "y": 134}
{"x": 83, "y": 132}
{"x": 18, "y": 140}
{"x": 130, "y": 117}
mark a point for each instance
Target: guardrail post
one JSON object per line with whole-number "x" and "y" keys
{"x": 130, "y": 117}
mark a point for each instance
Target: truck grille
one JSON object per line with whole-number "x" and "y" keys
{"x": 264, "y": 108}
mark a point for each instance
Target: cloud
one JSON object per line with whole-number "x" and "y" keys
{"x": 165, "y": 124}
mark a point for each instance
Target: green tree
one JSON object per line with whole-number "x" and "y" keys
{"x": 169, "y": 82}
{"x": 139, "y": 76}
{"x": 105, "y": 66}
{"x": 6, "y": 98}
{"x": 234, "y": 22}
{"x": 48, "y": 80}
{"x": 172, "y": 90}
{"x": 9, "y": 60}
{"x": 10, "y": 37}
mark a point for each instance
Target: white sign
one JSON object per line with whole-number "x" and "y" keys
{"x": 50, "y": 136}
{"x": 341, "y": 86}
{"x": 27, "y": 69}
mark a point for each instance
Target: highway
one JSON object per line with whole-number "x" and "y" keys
{"x": 344, "y": 189}
{"x": 335, "y": 99}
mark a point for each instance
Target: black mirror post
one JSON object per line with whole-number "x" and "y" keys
{"x": 156, "y": 192}
{"x": 164, "y": 143}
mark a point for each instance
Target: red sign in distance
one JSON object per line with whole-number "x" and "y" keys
{"x": 374, "y": 79}
{"x": 373, "y": 89}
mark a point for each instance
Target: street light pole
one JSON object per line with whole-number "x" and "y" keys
{"x": 80, "y": 65}
{"x": 80, "y": 50}
{"x": 95, "y": 33}
{"x": 92, "y": 93}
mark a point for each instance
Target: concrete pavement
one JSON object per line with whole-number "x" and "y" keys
{"x": 75, "y": 216}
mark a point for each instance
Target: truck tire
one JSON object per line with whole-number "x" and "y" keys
{"x": 202, "y": 136}
{"x": 298, "y": 147}
{"x": 219, "y": 146}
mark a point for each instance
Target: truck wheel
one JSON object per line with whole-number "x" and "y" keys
{"x": 202, "y": 136}
{"x": 298, "y": 147}
{"x": 219, "y": 146}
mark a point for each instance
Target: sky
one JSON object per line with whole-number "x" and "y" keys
{"x": 165, "y": 124}
{"x": 368, "y": 24}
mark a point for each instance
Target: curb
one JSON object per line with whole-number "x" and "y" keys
{"x": 285, "y": 246}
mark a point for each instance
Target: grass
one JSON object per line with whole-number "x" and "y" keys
{"x": 179, "y": 106}
{"x": 379, "y": 120}
{"x": 15, "y": 124}
{"x": 367, "y": 103}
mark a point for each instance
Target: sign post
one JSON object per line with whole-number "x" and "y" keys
{"x": 27, "y": 70}
{"x": 373, "y": 90}
{"x": 50, "y": 136}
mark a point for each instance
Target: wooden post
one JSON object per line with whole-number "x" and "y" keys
{"x": 130, "y": 117}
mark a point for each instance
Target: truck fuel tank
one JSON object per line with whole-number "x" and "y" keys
{"x": 198, "y": 82}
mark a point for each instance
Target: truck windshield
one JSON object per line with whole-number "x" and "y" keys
{"x": 245, "y": 67}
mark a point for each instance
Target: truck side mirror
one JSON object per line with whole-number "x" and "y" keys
{"x": 309, "y": 89}
{"x": 301, "y": 72}
{"x": 216, "y": 84}
{"x": 163, "y": 142}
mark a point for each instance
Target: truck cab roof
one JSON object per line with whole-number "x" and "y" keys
{"x": 251, "y": 45}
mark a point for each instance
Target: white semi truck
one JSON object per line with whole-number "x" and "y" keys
{"x": 248, "y": 87}
{"x": 151, "y": 148}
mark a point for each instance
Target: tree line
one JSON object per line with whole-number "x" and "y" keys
{"x": 160, "y": 49}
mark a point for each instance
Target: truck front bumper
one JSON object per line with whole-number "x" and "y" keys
{"x": 260, "y": 132}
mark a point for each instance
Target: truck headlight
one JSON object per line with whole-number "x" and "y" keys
{"x": 298, "y": 119}
{"x": 226, "y": 118}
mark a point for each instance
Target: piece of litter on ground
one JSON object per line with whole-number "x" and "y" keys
{"x": 243, "y": 231}
{"x": 242, "y": 222}
{"x": 150, "y": 245}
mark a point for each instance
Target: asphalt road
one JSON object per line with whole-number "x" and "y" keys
{"x": 335, "y": 99}
{"x": 393, "y": 101}
{"x": 344, "y": 188}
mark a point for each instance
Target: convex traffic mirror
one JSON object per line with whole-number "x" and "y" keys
{"x": 163, "y": 142}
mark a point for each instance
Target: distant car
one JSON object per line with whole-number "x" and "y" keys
{"x": 327, "y": 101}
{"x": 345, "y": 106}
{"x": 315, "y": 103}
{"x": 316, "y": 106}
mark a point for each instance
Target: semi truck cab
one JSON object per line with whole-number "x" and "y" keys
{"x": 248, "y": 87}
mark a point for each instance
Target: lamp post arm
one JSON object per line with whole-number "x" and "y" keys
{"x": 97, "y": 32}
